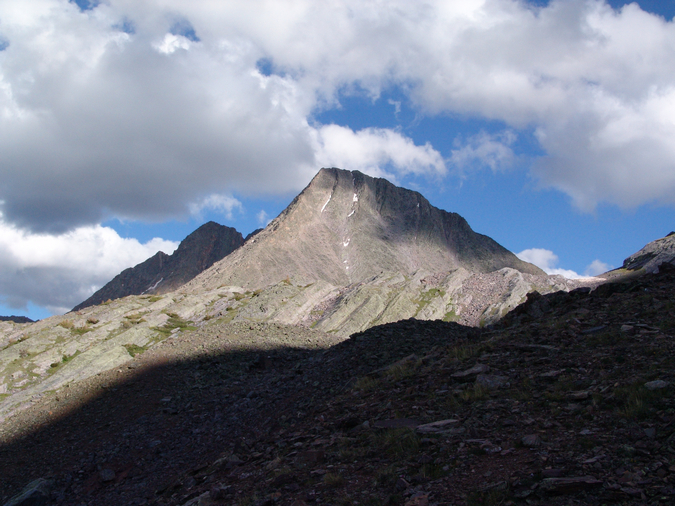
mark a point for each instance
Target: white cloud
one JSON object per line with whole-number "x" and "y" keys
{"x": 376, "y": 151}
{"x": 60, "y": 271}
{"x": 94, "y": 120}
{"x": 170, "y": 43}
{"x": 485, "y": 150}
{"x": 597, "y": 267}
{"x": 547, "y": 261}
{"x": 263, "y": 218}
{"x": 223, "y": 204}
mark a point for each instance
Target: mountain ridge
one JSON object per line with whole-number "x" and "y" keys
{"x": 163, "y": 273}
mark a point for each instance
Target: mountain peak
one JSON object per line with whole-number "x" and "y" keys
{"x": 346, "y": 227}
{"x": 163, "y": 273}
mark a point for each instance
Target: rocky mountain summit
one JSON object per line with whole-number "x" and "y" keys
{"x": 567, "y": 400}
{"x": 163, "y": 273}
{"x": 346, "y": 228}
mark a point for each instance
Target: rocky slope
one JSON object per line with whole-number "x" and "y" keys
{"x": 163, "y": 273}
{"x": 568, "y": 400}
{"x": 652, "y": 255}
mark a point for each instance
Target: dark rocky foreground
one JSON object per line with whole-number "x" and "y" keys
{"x": 569, "y": 400}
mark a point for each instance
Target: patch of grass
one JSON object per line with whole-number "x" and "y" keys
{"x": 238, "y": 296}
{"x": 80, "y": 330}
{"x": 475, "y": 393}
{"x": 333, "y": 480}
{"x": 92, "y": 320}
{"x": 67, "y": 358}
{"x": 134, "y": 349}
{"x": 451, "y": 316}
{"x": 637, "y": 402}
{"x": 367, "y": 383}
{"x": 403, "y": 369}
{"x": 386, "y": 477}
{"x": 462, "y": 352}
{"x": 426, "y": 297}
{"x": 64, "y": 360}
{"x": 399, "y": 443}
{"x": 67, "y": 324}
{"x": 175, "y": 322}
{"x": 492, "y": 497}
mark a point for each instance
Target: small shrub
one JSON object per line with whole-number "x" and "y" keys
{"x": 92, "y": 320}
{"x": 67, "y": 324}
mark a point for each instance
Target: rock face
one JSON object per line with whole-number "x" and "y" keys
{"x": 346, "y": 227}
{"x": 652, "y": 255}
{"x": 163, "y": 273}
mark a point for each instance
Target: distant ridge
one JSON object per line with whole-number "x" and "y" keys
{"x": 346, "y": 227}
{"x": 16, "y": 319}
{"x": 163, "y": 273}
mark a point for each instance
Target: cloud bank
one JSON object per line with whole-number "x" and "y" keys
{"x": 142, "y": 110}
{"x": 60, "y": 271}
{"x": 547, "y": 261}
{"x": 160, "y": 109}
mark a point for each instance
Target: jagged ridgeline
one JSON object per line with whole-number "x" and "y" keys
{"x": 163, "y": 273}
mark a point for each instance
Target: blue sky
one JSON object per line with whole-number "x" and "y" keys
{"x": 547, "y": 125}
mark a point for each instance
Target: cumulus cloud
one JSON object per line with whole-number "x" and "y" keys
{"x": 137, "y": 109}
{"x": 485, "y": 150}
{"x": 547, "y": 261}
{"x": 376, "y": 151}
{"x": 223, "y": 204}
{"x": 597, "y": 267}
{"x": 60, "y": 271}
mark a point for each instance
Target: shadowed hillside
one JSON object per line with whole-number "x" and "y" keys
{"x": 567, "y": 401}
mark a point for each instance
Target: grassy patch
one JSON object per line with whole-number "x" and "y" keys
{"x": 637, "y": 402}
{"x": 451, "y": 316}
{"x": 399, "y": 443}
{"x": 175, "y": 322}
{"x": 367, "y": 383}
{"x": 134, "y": 349}
{"x": 475, "y": 393}
{"x": 333, "y": 480}
{"x": 426, "y": 297}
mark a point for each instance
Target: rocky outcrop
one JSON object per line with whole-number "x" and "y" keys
{"x": 653, "y": 255}
{"x": 163, "y": 273}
